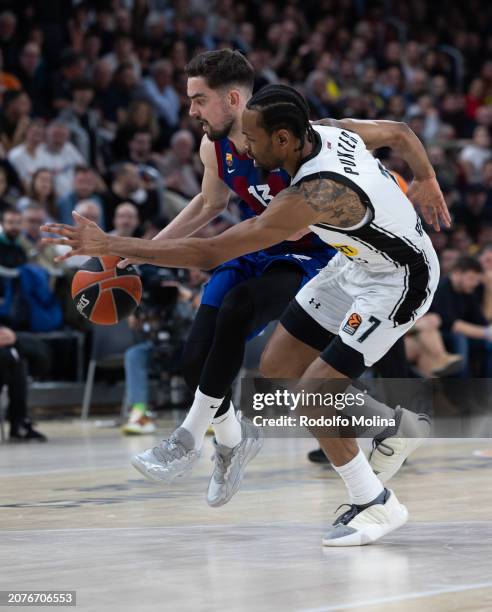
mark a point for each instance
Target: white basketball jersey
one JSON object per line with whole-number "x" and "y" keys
{"x": 390, "y": 238}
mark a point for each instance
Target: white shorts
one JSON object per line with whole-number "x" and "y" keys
{"x": 369, "y": 312}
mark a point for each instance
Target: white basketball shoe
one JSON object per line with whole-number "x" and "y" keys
{"x": 363, "y": 525}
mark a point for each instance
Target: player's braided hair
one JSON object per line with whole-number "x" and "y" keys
{"x": 283, "y": 107}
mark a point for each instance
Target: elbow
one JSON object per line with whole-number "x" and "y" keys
{"x": 209, "y": 261}
{"x": 215, "y": 207}
{"x": 401, "y": 133}
{"x": 208, "y": 258}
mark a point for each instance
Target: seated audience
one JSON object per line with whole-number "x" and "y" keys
{"x": 126, "y": 220}
{"x": 24, "y": 158}
{"x": 60, "y": 156}
{"x": 85, "y": 187}
{"x": 41, "y": 192}
{"x": 13, "y": 374}
{"x": 463, "y": 324}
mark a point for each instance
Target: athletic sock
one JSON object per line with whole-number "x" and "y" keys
{"x": 137, "y": 412}
{"x": 200, "y": 416}
{"x": 362, "y": 483}
{"x": 227, "y": 428}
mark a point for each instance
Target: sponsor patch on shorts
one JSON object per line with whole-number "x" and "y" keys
{"x": 352, "y": 324}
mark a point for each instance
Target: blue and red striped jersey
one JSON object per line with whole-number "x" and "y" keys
{"x": 257, "y": 188}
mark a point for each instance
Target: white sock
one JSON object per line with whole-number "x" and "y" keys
{"x": 227, "y": 428}
{"x": 362, "y": 483}
{"x": 200, "y": 416}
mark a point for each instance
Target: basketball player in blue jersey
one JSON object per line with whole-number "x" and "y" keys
{"x": 246, "y": 293}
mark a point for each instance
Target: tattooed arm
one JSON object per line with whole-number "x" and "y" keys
{"x": 319, "y": 200}
{"x": 424, "y": 191}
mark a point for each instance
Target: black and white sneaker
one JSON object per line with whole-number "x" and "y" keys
{"x": 361, "y": 525}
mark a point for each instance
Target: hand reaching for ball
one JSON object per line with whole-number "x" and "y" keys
{"x": 84, "y": 238}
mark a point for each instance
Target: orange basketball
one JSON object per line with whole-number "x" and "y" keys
{"x": 103, "y": 293}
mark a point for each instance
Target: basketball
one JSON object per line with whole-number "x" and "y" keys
{"x": 103, "y": 293}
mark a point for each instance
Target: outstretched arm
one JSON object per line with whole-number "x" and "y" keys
{"x": 424, "y": 191}
{"x": 290, "y": 211}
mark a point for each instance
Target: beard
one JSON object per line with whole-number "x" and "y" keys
{"x": 218, "y": 133}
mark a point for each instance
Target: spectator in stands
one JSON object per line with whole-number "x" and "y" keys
{"x": 127, "y": 186}
{"x": 85, "y": 187}
{"x": 14, "y": 118}
{"x": 33, "y": 216}
{"x": 460, "y": 239}
{"x": 159, "y": 90}
{"x": 41, "y": 192}
{"x": 140, "y": 116}
{"x": 12, "y": 254}
{"x": 123, "y": 53}
{"x": 484, "y": 291}
{"x": 487, "y": 180}
{"x": 321, "y": 103}
{"x": 474, "y": 155}
{"x": 13, "y": 373}
{"x": 7, "y": 80}
{"x": 140, "y": 150}
{"x": 83, "y": 122}
{"x": 31, "y": 73}
{"x": 181, "y": 167}
{"x": 446, "y": 170}
{"x": 425, "y": 348}
{"x": 7, "y": 199}
{"x": 25, "y": 157}
{"x": 9, "y": 38}
{"x": 90, "y": 209}
{"x": 120, "y": 93}
{"x": 60, "y": 156}
{"x": 458, "y": 305}
{"x": 473, "y": 212}
{"x": 126, "y": 220}
{"x": 448, "y": 257}
{"x": 71, "y": 70}
{"x": 102, "y": 75}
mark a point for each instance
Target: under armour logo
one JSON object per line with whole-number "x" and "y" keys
{"x": 316, "y": 304}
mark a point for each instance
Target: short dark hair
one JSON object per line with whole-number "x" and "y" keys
{"x": 69, "y": 58}
{"x": 82, "y": 84}
{"x": 9, "y": 210}
{"x": 283, "y": 107}
{"x": 465, "y": 263}
{"x": 81, "y": 169}
{"x": 33, "y": 206}
{"x": 222, "y": 68}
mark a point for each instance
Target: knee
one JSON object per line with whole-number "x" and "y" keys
{"x": 429, "y": 322}
{"x": 136, "y": 354}
{"x": 236, "y": 310}
{"x": 273, "y": 363}
{"x": 269, "y": 364}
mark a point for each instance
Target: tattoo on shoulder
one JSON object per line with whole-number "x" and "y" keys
{"x": 340, "y": 206}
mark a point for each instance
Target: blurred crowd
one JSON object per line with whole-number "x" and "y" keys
{"x": 94, "y": 115}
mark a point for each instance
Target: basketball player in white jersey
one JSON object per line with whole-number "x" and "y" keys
{"x": 343, "y": 194}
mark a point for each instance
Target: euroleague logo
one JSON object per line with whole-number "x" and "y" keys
{"x": 82, "y": 303}
{"x": 353, "y": 323}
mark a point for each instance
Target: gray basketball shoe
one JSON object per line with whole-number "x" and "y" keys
{"x": 173, "y": 458}
{"x": 230, "y": 463}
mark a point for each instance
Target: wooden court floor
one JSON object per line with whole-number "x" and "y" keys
{"x": 75, "y": 515}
